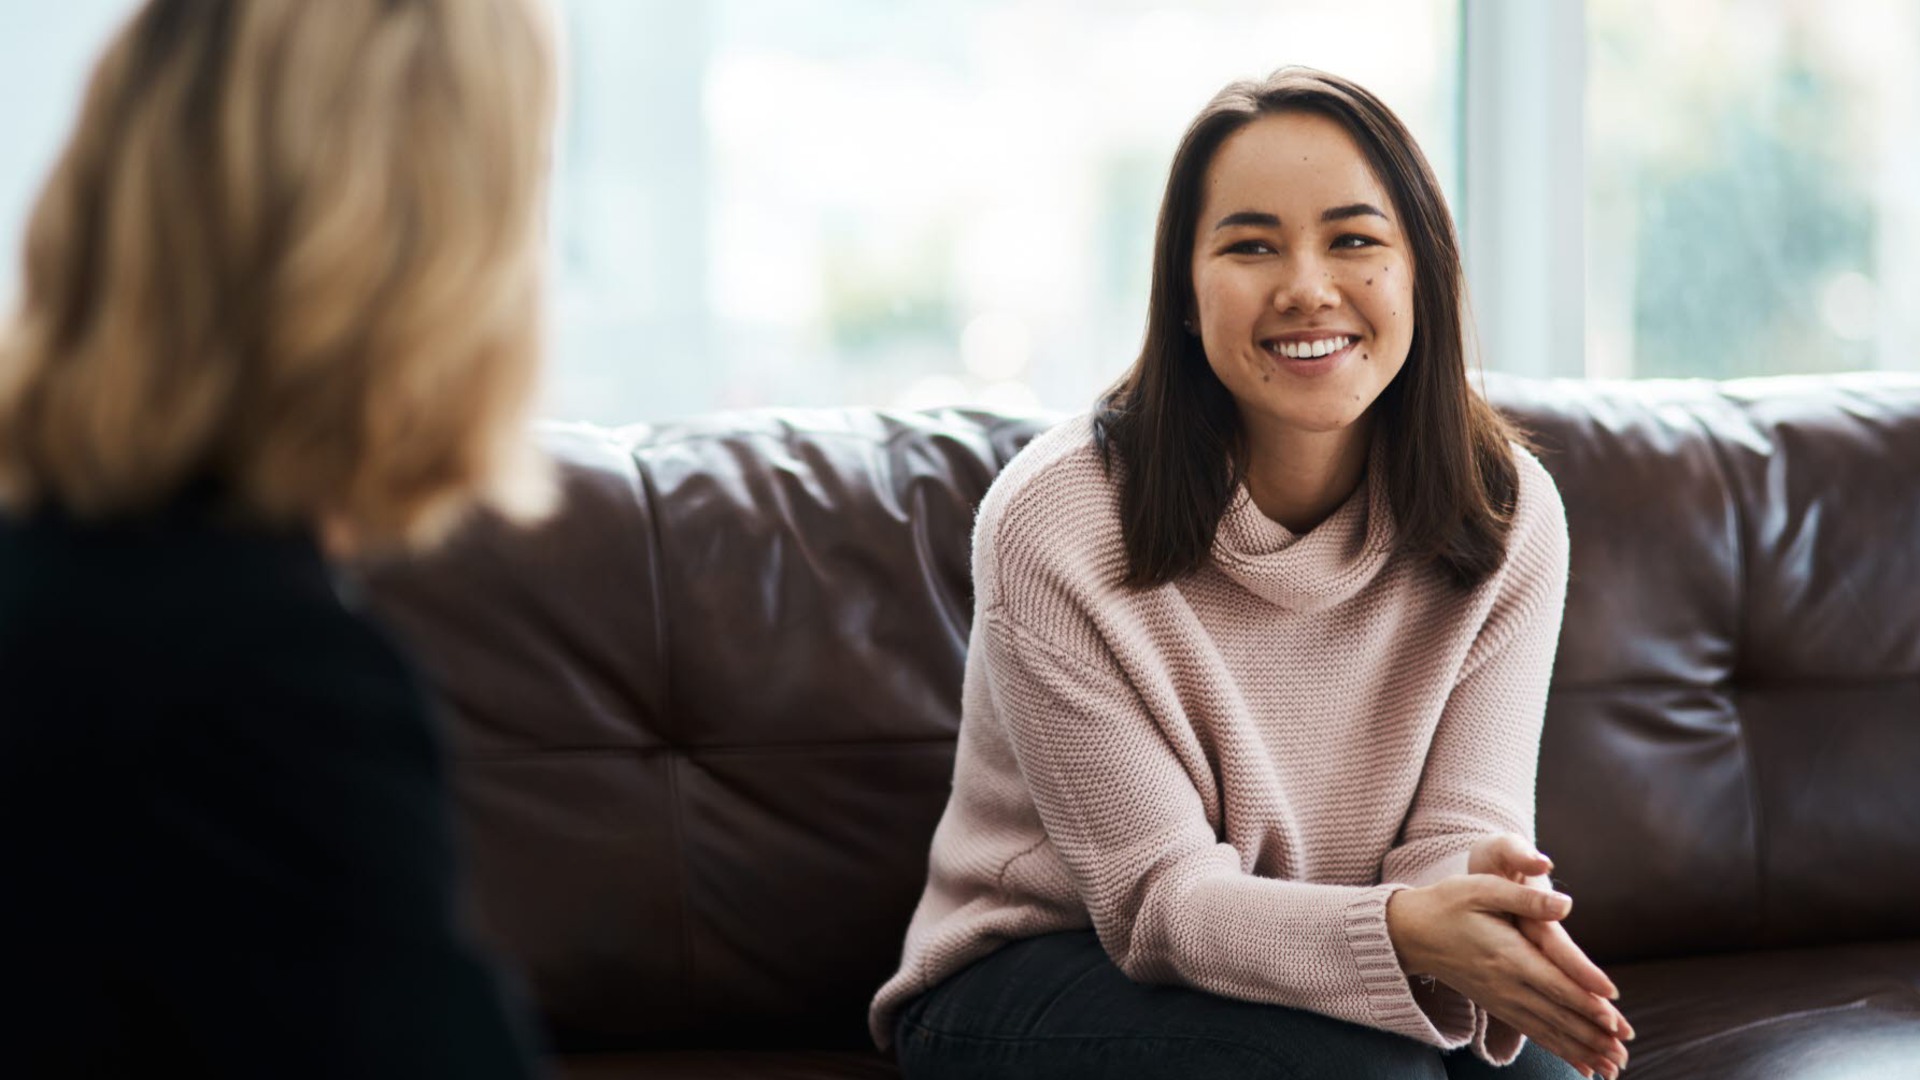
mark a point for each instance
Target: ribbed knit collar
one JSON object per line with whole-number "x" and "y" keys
{"x": 1317, "y": 569}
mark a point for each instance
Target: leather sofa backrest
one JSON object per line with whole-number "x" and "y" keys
{"x": 703, "y": 720}
{"x": 1731, "y": 757}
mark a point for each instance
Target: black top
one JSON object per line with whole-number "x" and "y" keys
{"x": 225, "y": 847}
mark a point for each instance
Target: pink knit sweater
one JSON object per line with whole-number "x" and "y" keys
{"x": 1227, "y": 776}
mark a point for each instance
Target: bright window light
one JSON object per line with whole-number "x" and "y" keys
{"x": 1753, "y": 187}
{"x": 873, "y": 203}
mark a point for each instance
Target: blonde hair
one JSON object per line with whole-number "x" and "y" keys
{"x": 294, "y": 249}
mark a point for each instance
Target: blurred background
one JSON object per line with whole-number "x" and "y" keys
{"x": 925, "y": 202}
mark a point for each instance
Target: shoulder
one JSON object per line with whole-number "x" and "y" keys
{"x": 318, "y": 673}
{"x": 1060, "y": 463}
{"x": 1053, "y": 512}
{"x": 210, "y": 632}
{"x": 1538, "y": 542}
{"x": 281, "y": 623}
{"x": 1531, "y": 583}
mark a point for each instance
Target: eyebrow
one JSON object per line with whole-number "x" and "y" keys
{"x": 1338, "y": 213}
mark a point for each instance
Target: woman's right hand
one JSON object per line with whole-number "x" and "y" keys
{"x": 1461, "y": 931}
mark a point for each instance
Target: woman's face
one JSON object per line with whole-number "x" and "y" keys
{"x": 1302, "y": 280}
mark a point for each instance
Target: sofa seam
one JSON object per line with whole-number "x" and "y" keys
{"x": 1744, "y": 560}
{"x": 1797, "y": 682}
{"x": 657, "y": 579}
{"x": 665, "y": 656}
{"x": 680, "y": 878}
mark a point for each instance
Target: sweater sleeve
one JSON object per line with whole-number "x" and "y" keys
{"x": 1170, "y": 902}
{"x": 1481, "y": 767}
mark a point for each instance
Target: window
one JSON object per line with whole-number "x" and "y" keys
{"x": 1753, "y": 187}
{"x": 869, "y": 202}
{"x": 46, "y": 53}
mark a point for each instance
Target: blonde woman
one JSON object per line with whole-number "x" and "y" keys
{"x": 279, "y": 305}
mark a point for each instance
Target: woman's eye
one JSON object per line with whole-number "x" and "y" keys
{"x": 1354, "y": 240}
{"x": 1250, "y": 247}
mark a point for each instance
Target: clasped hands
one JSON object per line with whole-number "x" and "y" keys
{"x": 1494, "y": 934}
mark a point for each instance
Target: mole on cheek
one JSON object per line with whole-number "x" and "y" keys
{"x": 1369, "y": 281}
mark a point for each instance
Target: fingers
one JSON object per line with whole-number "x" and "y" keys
{"x": 1527, "y": 859}
{"x": 1554, "y": 982}
{"x": 1568, "y": 1035}
{"x": 1553, "y": 941}
{"x": 1509, "y": 855}
{"x": 1575, "y": 1023}
{"x": 1557, "y": 1042}
{"x": 1513, "y": 898}
{"x": 1579, "y": 1014}
{"x": 1594, "y": 1046}
{"x": 1542, "y": 987}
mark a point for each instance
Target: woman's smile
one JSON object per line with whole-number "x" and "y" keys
{"x": 1310, "y": 354}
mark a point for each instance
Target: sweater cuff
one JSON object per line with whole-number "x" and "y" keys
{"x": 1390, "y": 995}
{"x": 1449, "y": 1010}
{"x": 1495, "y": 1041}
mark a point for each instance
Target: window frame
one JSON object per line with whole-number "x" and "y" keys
{"x": 1523, "y": 148}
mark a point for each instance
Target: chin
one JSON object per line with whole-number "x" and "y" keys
{"x": 1327, "y": 427}
{"x": 1336, "y": 416}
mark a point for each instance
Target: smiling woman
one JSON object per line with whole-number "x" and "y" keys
{"x": 1259, "y": 665}
{"x": 1327, "y": 222}
{"x": 1308, "y": 305}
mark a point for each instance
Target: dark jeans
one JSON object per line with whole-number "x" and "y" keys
{"x": 1056, "y": 1008}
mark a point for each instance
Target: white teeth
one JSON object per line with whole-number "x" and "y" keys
{"x": 1302, "y": 350}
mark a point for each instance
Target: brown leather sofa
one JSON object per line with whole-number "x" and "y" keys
{"x": 704, "y": 721}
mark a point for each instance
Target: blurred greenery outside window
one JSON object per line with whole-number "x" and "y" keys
{"x": 1753, "y": 187}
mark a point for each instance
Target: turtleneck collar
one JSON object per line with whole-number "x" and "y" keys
{"x": 1321, "y": 567}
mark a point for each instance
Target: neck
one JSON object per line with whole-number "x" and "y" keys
{"x": 1299, "y": 478}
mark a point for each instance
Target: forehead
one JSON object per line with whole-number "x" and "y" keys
{"x": 1293, "y": 165}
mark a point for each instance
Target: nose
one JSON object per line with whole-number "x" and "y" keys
{"x": 1305, "y": 285}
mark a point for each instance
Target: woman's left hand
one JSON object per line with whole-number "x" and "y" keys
{"x": 1510, "y": 856}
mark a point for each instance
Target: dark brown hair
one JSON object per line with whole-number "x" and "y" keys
{"x": 1175, "y": 430}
